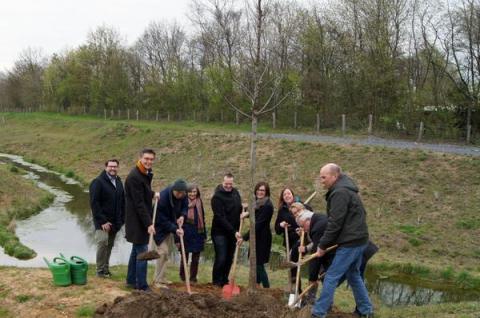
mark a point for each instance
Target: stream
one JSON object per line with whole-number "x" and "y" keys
{"x": 66, "y": 227}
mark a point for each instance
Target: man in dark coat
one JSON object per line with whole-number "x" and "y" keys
{"x": 107, "y": 201}
{"x": 346, "y": 227}
{"x": 138, "y": 217}
{"x": 315, "y": 225}
{"x": 227, "y": 207}
{"x": 171, "y": 212}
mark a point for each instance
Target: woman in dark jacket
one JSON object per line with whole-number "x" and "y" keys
{"x": 286, "y": 219}
{"x": 195, "y": 232}
{"x": 263, "y": 234}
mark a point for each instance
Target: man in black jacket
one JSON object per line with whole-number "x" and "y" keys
{"x": 227, "y": 207}
{"x": 138, "y": 217}
{"x": 107, "y": 201}
{"x": 346, "y": 227}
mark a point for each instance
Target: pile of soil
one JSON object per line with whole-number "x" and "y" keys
{"x": 204, "y": 302}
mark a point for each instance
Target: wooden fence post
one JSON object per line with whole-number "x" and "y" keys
{"x": 420, "y": 132}
{"x": 318, "y": 123}
{"x": 295, "y": 120}
{"x": 469, "y": 133}
{"x": 344, "y": 124}
{"x": 137, "y": 114}
{"x": 104, "y": 114}
{"x": 274, "y": 119}
{"x": 370, "y": 124}
{"x": 128, "y": 113}
{"x": 168, "y": 116}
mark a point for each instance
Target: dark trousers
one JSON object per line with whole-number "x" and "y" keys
{"x": 224, "y": 250}
{"x": 262, "y": 276}
{"x": 193, "y": 266}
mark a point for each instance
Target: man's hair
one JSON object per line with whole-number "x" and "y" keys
{"x": 228, "y": 175}
{"x": 334, "y": 169}
{"x": 112, "y": 160}
{"x": 304, "y": 216}
{"x": 147, "y": 150}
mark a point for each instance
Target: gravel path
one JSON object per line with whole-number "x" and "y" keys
{"x": 376, "y": 141}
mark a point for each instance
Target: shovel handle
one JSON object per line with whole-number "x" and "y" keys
{"x": 287, "y": 252}
{"x": 310, "y": 197}
{"x": 234, "y": 268}
{"x": 313, "y": 256}
{"x": 185, "y": 266}
{"x": 150, "y": 239}
{"x": 297, "y": 281}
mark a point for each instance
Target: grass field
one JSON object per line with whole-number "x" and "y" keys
{"x": 422, "y": 207}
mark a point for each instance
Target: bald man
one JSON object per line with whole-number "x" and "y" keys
{"x": 347, "y": 227}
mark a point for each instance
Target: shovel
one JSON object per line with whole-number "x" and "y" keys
{"x": 292, "y": 298}
{"x": 306, "y": 260}
{"x": 306, "y": 290}
{"x": 185, "y": 266}
{"x": 287, "y": 250}
{"x": 231, "y": 289}
{"x": 152, "y": 252}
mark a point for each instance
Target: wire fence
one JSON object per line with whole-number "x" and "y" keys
{"x": 301, "y": 121}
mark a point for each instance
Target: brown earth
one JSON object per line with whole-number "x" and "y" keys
{"x": 206, "y": 301}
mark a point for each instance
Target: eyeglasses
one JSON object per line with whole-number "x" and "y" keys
{"x": 262, "y": 190}
{"x": 112, "y": 167}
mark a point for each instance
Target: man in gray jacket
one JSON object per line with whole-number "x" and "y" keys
{"x": 346, "y": 227}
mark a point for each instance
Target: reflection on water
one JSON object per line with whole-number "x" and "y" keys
{"x": 66, "y": 226}
{"x": 401, "y": 290}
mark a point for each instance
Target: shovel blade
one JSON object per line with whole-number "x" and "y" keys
{"x": 292, "y": 301}
{"x": 230, "y": 290}
{"x": 148, "y": 255}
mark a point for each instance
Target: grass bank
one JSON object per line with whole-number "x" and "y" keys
{"x": 422, "y": 207}
{"x": 19, "y": 199}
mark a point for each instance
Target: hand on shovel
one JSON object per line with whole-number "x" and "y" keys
{"x": 239, "y": 238}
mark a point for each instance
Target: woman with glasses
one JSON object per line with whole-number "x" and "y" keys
{"x": 263, "y": 234}
{"x": 195, "y": 232}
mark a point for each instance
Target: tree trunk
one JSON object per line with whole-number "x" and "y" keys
{"x": 253, "y": 166}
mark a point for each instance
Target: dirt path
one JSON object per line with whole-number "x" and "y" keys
{"x": 377, "y": 141}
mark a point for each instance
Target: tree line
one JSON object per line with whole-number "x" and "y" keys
{"x": 403, "y": 61}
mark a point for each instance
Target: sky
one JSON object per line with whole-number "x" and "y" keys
{"x": 56, "y": 25}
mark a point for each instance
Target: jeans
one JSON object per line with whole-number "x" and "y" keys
{"x": 224, "y": 250}
{"x": 104, "y": 242}
{"x": 137, "y": 269}
{"x": 347, "y": 262}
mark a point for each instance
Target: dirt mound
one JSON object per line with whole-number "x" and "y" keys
{"x": 170, "y": 303}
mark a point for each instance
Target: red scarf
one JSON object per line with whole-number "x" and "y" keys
{"x": 192, "y": 204}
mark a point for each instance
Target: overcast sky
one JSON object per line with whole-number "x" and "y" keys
{"x": 55, "y": 25}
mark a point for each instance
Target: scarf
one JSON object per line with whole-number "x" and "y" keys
{"x": 192, "y": 204}
{"x": 261, "y": 202}
{"x": 142, "y": 169}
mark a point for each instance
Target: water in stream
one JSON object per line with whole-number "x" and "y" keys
{"x": 66, "y": 226}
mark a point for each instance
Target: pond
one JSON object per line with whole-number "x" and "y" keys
{"x": 66, "y": 227}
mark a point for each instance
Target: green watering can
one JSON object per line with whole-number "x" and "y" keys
{"x": 60, "y": 269}
{"x": 78, "y": 269}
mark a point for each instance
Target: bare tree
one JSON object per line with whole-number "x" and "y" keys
{"x": 464, "y": 47}
{"x": 259, "y": 90}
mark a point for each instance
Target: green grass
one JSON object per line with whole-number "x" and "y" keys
{"x": 85, "y": 311}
